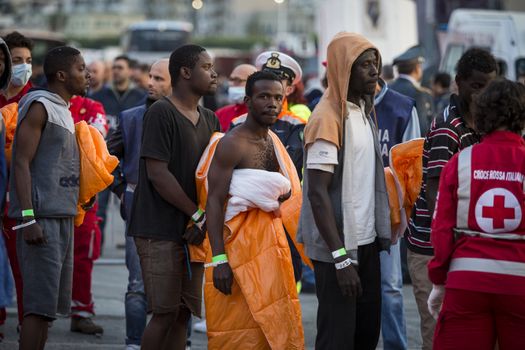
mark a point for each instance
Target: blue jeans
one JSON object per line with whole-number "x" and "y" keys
{"x": 135, "y": 303}
{"x": 393, "y": 325}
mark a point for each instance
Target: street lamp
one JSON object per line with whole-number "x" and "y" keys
{"x": 282, "y": 14}
{"x": 278, "y": 1}
{"x": 197, "y": 4}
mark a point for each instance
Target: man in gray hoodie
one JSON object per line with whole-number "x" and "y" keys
{"x": 44, "y": 184}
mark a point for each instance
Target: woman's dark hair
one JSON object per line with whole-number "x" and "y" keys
{"x": 500, "y": 105}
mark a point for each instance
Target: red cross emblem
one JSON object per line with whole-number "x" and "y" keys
{"x": 498, "y": 213}
{"x": 498, "y": 210}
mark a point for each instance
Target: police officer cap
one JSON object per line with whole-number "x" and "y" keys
{"x": 281, "y": 64}
{"x": 415, "y": 53}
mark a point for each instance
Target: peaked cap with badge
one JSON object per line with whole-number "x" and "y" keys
{"x": 281, "y": 64}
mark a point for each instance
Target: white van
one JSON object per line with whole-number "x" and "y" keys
{"x": 500, "y": 32}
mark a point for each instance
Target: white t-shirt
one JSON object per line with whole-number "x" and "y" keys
{"x": 322, "y": 155}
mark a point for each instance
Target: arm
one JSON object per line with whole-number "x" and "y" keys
{"x": 413, "y": 130}
{"x": 443, "y": 223}
{"x": 168, "y": 187}
{"x": 115, "y": 145}
{"x": 28, "y": 137}
{"x": 319, "y": 182}
{"x": 224, "y": 162}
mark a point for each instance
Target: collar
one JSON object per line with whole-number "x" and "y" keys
{"x": 379, "y": 96}
{"x": 409, "y": 78}
{"x": 504, "y": 136}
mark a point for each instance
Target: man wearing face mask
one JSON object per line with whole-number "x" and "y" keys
{"x": 236, "y": 108}
{"x": 20, "y": 48}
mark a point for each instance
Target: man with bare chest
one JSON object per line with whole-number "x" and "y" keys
{"x": 250, "y": 171}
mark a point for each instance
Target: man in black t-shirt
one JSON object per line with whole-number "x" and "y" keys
{"x": 175, "y": 133}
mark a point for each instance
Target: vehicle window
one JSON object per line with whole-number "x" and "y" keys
{"x": 502, "y": 68}
{"x": 520, "y": 70}
{"x": 154, "y": 40}
{"x": 451, "y": 58}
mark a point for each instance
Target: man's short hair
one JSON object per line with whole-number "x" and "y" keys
{"x": 443, "y": 79}
{"x": 58, "y": 59}
{"x": 260, "y": 75}
{"x": 407, "y": 67}
{"x": 184, "y": 56}
{"x": 500, "y": 104}
{"x": 475, "y": 59}
{"x": 125, "y": 58}
{"x": 15, "y": 39}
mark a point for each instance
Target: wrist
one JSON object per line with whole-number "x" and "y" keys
{"x": 217, "y": 260}
{"x": 28, "y": 214}
{"x": 343, "y": 264}
{"x": 198, "y": 216}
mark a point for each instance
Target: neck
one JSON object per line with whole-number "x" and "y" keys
{"x": 59, "y": 90}
{"x": 258, "y": 130}
{"x": 354, "y": 99}
{"x": 185, "y": 98}
{"x": 123, "y": 86}
{"x": 12, "y": 90}
{"x": 464, "y": 111}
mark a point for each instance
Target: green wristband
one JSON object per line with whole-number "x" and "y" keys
{"x": 28, "y": 212}
{"x": 197, "y": 216}
{"x": 338, "y": 253}
{"x": 221, "y": 257}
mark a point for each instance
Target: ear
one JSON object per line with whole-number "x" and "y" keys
{"x": 247, "y": 100}
{"x": 61, "y": 76}
{"x": 289, "y": 90}
{"x": 185, "y": 72}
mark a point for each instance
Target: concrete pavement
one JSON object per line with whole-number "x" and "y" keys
{"x": 109, "y": 287}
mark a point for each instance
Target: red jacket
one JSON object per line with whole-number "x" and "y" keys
{"x": 486, "y": 198}
{"x": 17, "y": 97}
{"x": 90, "y": 111}
{"x": 227, "y": 113}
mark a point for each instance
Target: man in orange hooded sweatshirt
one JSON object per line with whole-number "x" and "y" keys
{"x": 345, "y": 215}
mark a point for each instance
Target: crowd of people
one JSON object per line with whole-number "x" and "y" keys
{"x": 349, "y": 190}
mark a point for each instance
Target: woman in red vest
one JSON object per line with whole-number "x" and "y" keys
{"x": 478, "y": 231}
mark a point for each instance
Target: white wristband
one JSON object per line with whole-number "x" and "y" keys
{"x": 25, "y": 224}
{"x": 214, "y": 264}
{"x": 343, "y": 264}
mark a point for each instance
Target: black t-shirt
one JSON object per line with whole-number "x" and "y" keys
{"x": 170, "y": 137}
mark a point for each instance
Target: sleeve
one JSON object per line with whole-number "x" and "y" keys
{"x": 322, "y": 155}
{"x": 157, "y": 134}
{"x": 443, "y": 223}
{"x": 115, "y": 145}
{"x": 216, "y": 123}
{"x": 412, "y": 130}
{"x": 443, "y": 143}
{"x": 97, "y": 117}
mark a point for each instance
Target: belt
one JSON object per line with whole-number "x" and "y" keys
{"x": 505, "y": 236}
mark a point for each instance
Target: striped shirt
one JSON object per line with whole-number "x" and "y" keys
{"x": 448, "y": 135}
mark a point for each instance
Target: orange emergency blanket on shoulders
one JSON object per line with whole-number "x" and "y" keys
{"x": 10, "y": 116}
{"x": 96, "y": 165}
{"x": 263, "y": 311}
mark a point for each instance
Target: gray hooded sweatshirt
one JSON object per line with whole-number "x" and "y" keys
{"x": 55, "y": 168}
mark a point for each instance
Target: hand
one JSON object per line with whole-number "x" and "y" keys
{"x": 285, "y": 196}
{"x": 435, "y": 300}
{"x": 89, "y": 205}
{"x": 223, "y": 278}
{"x": 193, "y": 235}
{"x": 348, "y": 280}
{"x": 33, "y": 235}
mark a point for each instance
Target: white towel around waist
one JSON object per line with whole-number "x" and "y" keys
{"x": 254, "y": 188}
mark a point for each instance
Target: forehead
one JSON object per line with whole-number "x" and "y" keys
{"x": 121, "y": 62}
{"x": 78, "y": 60}
{"x": 477, "y": 76}
{"x": 271, "y": 86}
{"x": 368, "y": 55}
{"x": 159, "y": 68}
{"x": 204, "y": 58}
{"x": 20, "y": 51}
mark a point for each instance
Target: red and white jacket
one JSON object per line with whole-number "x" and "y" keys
{"x": 481, "y": 191}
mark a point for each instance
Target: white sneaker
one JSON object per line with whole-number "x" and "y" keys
{"x": 132, "y": 347}
{"x": 200, "y": 327}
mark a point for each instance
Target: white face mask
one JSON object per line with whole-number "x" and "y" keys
{"x": 236, "y": 94}
{"x": 21, "y": 74}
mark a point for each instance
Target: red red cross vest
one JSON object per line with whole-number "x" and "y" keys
{"x": 489, "y": 253}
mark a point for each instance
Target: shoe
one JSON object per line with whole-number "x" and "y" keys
{"x": 200, "y": 327}
{"x": 85, "y": 325}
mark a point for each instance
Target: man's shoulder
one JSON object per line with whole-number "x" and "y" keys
{"x": 133, "y": 111}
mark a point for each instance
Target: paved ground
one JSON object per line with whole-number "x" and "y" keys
{"x": 109, "y": 286}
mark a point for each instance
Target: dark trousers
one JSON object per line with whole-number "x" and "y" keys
{"x": 348, "y": 323}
